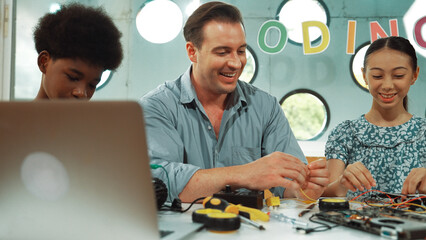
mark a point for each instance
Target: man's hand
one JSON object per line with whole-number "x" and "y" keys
{"x": 357, "y": 177}
{"x": 317, "y": 181}
{"x": 416, "y": 180}
{"x": 274, "y": 170}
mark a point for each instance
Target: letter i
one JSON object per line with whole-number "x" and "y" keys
{"x": 350, "y": 44}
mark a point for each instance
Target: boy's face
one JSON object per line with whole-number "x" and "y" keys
{"x": 66, "y": 78}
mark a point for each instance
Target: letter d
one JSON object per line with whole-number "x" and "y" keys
{"x": 307, "y": 48}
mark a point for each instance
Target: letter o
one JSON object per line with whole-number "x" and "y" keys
{"x": 263, "y": 32}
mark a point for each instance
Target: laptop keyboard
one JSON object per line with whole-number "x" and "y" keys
{"x": 164, "y": 233}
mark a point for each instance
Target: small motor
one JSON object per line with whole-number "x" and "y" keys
{"x": 160, "y": 190}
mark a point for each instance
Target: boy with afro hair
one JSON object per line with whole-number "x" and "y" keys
{"x": 75, "y": 45}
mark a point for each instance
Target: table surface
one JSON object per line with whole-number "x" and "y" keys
{"x": 274, "y": 229}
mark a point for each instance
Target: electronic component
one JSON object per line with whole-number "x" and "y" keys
{"x": 333, "y": 204}
{"x": 160, "y": 190}
{"x": 383, "y": 221}
{"x": 273, "y": 201}
{"x": 248, "y": 198}
{"x": 270, "y": 199}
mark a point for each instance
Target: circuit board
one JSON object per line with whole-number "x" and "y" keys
{"x": 384, "y": 221}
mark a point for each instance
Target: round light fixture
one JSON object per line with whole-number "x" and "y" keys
{"x": 159, "y": 21}
{"x": 294, "y": 12}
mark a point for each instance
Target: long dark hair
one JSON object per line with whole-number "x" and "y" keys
{"x": 396, "y": 43}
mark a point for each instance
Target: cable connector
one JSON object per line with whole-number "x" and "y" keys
{"x": 304, "y": 230}
{"x": 273, "y": 201}
{"x": 155, "y": 166}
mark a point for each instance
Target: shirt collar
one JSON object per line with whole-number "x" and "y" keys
{"x": 188, "y": 93}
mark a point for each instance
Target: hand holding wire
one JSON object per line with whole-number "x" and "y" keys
{"x": 357, "y": 177}
{"x": 415, "y": 181}
{"x": 316, "y": 181}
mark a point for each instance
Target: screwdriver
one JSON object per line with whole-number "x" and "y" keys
{"x": 218, "y": 203}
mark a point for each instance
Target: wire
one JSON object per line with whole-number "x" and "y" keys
{"x": 168, "y": 181}
{"x": 372, "y": 190}
{"x": 171, "y": 208}
{"x": 309, "y": 198}
{"x": 196, "y": 200}
{"x": 392, "y": 203}
{"x": 322, "y": 228}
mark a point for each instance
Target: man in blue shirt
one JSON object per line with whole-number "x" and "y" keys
{"x": 208, "y": 130}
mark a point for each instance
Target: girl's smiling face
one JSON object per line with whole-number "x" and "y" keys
{"x": 389, "y": 74}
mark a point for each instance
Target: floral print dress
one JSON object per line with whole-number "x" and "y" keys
{"x": 389, "y": 153}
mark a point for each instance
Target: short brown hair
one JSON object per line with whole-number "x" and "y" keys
{"x": 211, "y": 11}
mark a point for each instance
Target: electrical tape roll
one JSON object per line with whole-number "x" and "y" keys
{"x": 333, "y": 204}
{"x": 222, "y": 222}
{"x": 200, "y": 215}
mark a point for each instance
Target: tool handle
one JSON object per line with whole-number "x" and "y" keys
{"x": 221, "y": 204}
{"x": 255, "y": 214}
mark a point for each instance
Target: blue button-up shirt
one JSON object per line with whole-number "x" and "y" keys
{"x": 182, "y": 139}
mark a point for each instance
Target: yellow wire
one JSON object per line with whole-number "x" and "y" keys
{"x": 309, "y": 198}
{"x": 398, "y": 204}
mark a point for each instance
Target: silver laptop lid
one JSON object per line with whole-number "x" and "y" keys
{"x": 75, "y": 170}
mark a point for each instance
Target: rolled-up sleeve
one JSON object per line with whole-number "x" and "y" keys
{"x": 165, "y": 146}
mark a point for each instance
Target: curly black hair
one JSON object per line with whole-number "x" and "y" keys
{"x": 80, "y": 32}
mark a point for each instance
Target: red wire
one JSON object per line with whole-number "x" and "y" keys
{"x": 391, "y": 199}
{"x": 372, "y": 190}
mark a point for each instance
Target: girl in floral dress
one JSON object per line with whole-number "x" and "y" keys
{"x": 384, "y": 149}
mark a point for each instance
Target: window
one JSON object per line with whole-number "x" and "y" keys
{"x": 54, "y": 7}
{"x": 250, "y": 70}
{"x": 105, "y": 78}
{"x": 293, "y": 12}
{"x": 307, "y": 113}
{"x": 415, "y": 29}
{"x": 357, "y": 62}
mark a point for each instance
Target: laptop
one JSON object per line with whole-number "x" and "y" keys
{"x": 75, "y": 170}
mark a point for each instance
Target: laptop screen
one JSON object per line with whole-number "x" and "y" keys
{"x": 75, "y": 170}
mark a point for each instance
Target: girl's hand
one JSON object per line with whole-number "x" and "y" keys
{"x": 416, "y": 180}
{"x": 356, "y": 176}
